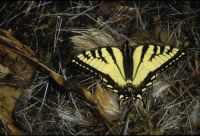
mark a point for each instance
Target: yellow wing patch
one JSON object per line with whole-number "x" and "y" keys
{"x": 104, "y": 63}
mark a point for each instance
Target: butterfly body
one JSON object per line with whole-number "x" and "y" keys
{"x": 128, "y": 70}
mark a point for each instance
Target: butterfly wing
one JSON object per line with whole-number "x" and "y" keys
{"x": 106, "y": 62}
{"x": 150, "y": 59}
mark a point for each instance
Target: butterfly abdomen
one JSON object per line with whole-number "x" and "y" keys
{"x": 128, "y": 61}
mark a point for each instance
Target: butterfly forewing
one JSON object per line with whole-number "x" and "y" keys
{"x": 148, "y": 61}
{"x": 105, "y": 61}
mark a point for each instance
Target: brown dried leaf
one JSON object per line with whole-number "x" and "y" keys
{"x": 7, "y": 38}
{"x": 16, "y": 64}
{"x": 12, "y": 64}
{"x": 8, "y": 98}
{"x": 105, "y": 104}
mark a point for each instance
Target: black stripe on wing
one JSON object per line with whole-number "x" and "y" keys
{"x": 154, "y": 52}
{"x": 162, "y": 48}
{"x": 101, "y": 56}
{"x": 93, "y": 53}
{"x": 144, "y": 50}
{"x": 110, "y": 51}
